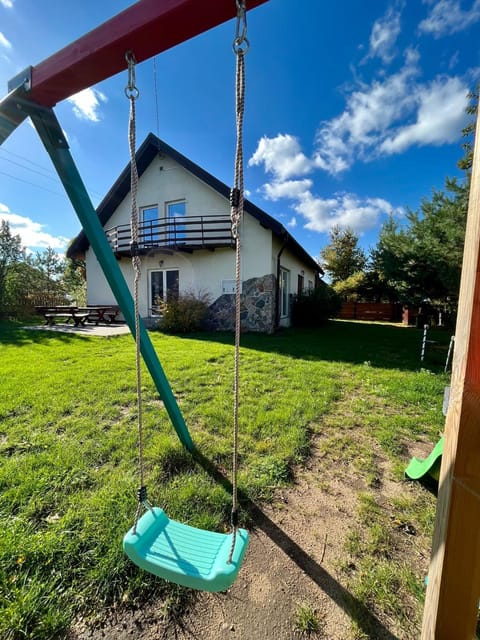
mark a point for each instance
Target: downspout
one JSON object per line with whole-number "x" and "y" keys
{"x": 286, "y": 238}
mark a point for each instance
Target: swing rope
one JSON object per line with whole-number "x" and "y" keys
{"x": 240, "y": 47}
{"x": 180, "y": 553}
{"x": 132, "y": 93}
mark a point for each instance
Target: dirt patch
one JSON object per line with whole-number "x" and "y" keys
{"x": 296, "y": 557}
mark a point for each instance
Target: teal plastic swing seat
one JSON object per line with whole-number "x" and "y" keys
{"x": 183, "y": 554}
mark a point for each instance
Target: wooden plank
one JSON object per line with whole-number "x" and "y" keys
{"x": 148, "y": 27}
{"x": 454, "y": 578}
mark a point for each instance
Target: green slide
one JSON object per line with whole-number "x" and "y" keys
{"x": 429, "y": 468}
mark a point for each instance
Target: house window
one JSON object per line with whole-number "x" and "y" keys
{"x": 150, "y": 225}
{"x": 310, "y": 285}
{"x": 163, "y": 287}
{"x": 229, "y": 286}
{"x": 284, "y": 292}
{"x": 176, "y": 212}
{"x": 300, "y": 285}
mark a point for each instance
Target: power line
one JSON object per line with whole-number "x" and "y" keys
{"x": 35, "y": 164}
{"x": 53, "y": 175}
{"x": 18, "y": 164}
{"x": 156, "y": 94}
{"x": 32, "y": 184}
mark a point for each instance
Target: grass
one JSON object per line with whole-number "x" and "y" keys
{"x": 68, "y": 446}
{"x": 307, "y": 620}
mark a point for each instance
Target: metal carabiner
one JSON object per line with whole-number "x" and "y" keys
{"x": 240, "y": 42}
{"x": 131, "y": 90}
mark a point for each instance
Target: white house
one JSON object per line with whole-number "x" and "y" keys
{"x": 187, "y": 245}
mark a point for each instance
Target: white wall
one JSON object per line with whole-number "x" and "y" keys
{"x": 201, "y": 271}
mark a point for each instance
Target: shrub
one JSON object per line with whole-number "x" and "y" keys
{"x": 313, "y": 307}
{"x": 184, "y": 314}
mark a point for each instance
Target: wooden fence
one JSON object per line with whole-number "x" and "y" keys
{"x": 380, "y": 311}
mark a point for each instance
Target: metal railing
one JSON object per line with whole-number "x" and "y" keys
{"x": 186, "y": 232}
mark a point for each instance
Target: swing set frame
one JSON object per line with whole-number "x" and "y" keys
{"x": 149, "y": 27}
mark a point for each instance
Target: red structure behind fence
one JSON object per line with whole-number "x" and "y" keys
{"x": 386, "y": 311}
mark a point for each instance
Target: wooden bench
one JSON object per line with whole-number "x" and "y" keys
{"x": 78, "y": 317}
{"x": 101, "y": 313}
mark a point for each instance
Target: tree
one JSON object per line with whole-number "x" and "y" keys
{"x": 423, "y": 259}
{"x": 313, "y": 307}
{"x": 11, "y": 253}
{"x": 51, "y": 265}
{"x": 342, "y": 257}
{"x": 465, "y": 163}
{"x": 74, "y": 280}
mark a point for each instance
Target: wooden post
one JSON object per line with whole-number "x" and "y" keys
{"x": 453, "y": 590}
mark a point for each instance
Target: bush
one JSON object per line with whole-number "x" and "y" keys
{"x": 315, "y": 306}
{"x": 184, "y": 314}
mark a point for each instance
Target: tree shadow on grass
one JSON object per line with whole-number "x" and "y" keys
{"x": 22, "y": 334}
{"x": 17, "y": 334}
{"x": 356, "y": 610}
{"x": 381, "y": 345}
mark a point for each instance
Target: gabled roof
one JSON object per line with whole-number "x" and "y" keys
{"x": 146, "y": 153}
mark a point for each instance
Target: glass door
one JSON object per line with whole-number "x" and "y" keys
{"x": 284, "y": 292}
{"x": 156, "y": 292}
{"x": 164, "y": 285}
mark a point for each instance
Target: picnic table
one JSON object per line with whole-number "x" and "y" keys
{"x": 79, "y": 315}
{"x": 74, "y": 314}
{"x": 101, "y": 313}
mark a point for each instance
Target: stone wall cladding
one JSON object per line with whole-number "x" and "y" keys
{"x": 257, "y": 307}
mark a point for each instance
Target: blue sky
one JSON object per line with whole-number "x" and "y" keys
{"x": 354, "y": 110}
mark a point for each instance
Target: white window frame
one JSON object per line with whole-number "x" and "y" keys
{"x": 284, "y": 292}
{"x": 151, "y": 306}
{"x": 179, "y": 233}
{"x": 229, "y": 286}
{"x": 155, "y": 235}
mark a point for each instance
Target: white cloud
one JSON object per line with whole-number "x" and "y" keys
{"x": 321, "y": 214}
{"x": 384, "y": 117}
{"x": 440, "y": 117}
{"x": 345, "y": 210}
{"x": 282, "y": 156}
{"x": 292, "y": 223}
{"x": 86, "y": 104}
{"x": 288, "y": 189}
{"x": 8, "y": 4}
{"x": 447, "y": 17}
{"x": 31, "y": 233}
{"x": 373, "y": 122}
{"x": 6, "y": 44}
{"x": 385, "y": 32}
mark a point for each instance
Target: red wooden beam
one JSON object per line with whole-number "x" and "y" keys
{"x": 148, "y": 27}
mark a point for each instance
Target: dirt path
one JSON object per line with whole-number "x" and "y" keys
{"x": 293, "y": 559}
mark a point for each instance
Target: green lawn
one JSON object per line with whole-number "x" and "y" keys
{"x": 68, "y": 445}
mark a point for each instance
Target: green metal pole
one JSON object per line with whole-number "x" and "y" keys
{"x": 52, "y": 136}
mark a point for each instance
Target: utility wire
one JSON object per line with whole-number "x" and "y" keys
{"x": 32, "y": 184}
{"x": 46, "y": 171}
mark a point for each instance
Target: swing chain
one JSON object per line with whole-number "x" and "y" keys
{"x": 240, "y": 42}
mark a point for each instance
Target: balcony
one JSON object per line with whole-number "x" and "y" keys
{"x": 189, "y": 233}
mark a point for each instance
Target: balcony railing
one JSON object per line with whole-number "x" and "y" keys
{"x": 187, "y": 233}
